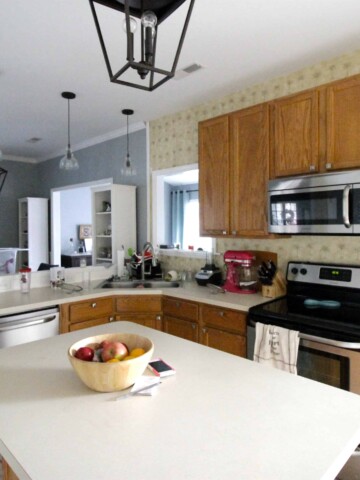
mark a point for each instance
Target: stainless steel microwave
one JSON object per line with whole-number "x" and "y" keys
{"x": 322, "y": 204}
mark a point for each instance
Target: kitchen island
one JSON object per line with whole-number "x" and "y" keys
{"x": 220, "y": 417}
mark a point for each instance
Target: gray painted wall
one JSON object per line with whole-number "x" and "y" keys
{"x": 103, "y": 160}
{"x": 21, "y": 181}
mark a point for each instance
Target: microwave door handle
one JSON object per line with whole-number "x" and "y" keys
{"x": 345, "y": 206}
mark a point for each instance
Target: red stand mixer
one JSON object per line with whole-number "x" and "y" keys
{"x": 241, "y": 273}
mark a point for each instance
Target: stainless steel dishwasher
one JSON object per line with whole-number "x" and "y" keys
{"x": 28, "y": 326}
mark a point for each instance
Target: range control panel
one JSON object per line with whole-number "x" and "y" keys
{"x": 322, "y": 274}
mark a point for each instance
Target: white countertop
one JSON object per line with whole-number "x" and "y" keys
{"x": 220, "y": 417}
{"x": 37, "y": 298}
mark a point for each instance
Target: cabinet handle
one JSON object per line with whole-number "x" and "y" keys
{"x": 204, "y": 330}
{"x": 312, "y": 168}
{"x": 158, "y": 317}
{"x": 177, "y": 305}
{"x": 93, "y": 305}
{"x": 221, "y": 314}
{"x": 224, "y": 232}
{"x": 193, "y": 326}
{"x": 234, "y": 232}
{"x": 111, "y": 319}
{"x": 328, "y": 166}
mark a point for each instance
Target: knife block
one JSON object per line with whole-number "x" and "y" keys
{"x": 278, "y": 287}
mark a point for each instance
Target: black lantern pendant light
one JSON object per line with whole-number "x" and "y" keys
{"x": 3, "y": 174}
{"x": 128, "y": 169}
{"x": 151, "y": 14}
{"x": 69, "y": 162}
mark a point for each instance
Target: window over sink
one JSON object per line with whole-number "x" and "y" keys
{"x": 176, "y": 210}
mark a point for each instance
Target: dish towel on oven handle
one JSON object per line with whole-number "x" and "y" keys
{"x": 276, "y": 347}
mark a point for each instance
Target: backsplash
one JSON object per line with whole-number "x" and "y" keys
{"x": 174, "y": 142}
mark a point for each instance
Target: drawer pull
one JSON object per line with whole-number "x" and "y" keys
{"x": 111, "y": 319}
{"x": 204, "y": 330}
{"x": 193, "y": 326}
{"x": 93, "y": 305}
{"x": 158, "y": 317}
{"x": 177, "y": 304}
{"x": 221, "y": 314}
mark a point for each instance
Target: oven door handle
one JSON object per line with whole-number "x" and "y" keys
{"x": 326, "y": 341}
{"x": 25, "y": 323}
{"x": 345, "y": 206}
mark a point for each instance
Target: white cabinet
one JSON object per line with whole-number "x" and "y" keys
{"x": 33, "y": 232}
{"x": 114, "y": 221}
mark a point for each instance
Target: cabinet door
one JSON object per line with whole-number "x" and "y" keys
{"x": 296, "y": 134}
{"x": 223, "y": 340}
{"x": 175, "y": 307}
{"x": 343, "y": 124}
{"x": 147, "y": 320}
{"x": 89, "y": 323}
{"x": 181, "y": 328}
{"x": 214, "y": 163}
{"x": 250, "y": 147}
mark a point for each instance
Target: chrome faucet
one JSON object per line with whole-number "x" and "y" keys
{"x": 147, "y": 246}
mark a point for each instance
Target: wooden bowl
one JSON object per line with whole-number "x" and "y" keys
{"x": 112, "y": 377}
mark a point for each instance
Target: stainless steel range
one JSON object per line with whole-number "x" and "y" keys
{"x": 323, "y": 304}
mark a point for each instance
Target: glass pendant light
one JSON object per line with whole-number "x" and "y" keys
{"x": 128, "y": 169}
{"x": 68, "y": 162}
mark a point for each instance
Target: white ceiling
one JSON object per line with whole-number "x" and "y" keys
{"x": 49, "y": 46}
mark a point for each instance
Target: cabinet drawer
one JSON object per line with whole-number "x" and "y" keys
{"x": 181, "y": 309}
{"x": 91, "y": 309}
{"x": 138, "y": 303}
{"x": 152, "y": 320}
{"x": 224, "y": 318}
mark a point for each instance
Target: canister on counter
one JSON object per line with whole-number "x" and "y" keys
{"x": 25, "y": 279}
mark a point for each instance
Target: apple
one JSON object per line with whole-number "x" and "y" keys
{"x": 85, "y": 353}
{"x": 114, "y": 350}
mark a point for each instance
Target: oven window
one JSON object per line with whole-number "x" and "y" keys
{"x": 324, "y": 367}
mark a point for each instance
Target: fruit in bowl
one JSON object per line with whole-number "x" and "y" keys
{"x": 112, "y": 374}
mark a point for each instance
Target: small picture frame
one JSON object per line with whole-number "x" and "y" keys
{"x": 85, "y": 231}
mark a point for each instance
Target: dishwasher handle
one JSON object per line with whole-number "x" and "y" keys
{"x": 22, "y": 324}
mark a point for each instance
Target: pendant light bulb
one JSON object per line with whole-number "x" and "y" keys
{"x": 68, "y": 161}
{"x": 132, "y": 23}
{"x": 149, "y": 19}
{"x": 128, "y": 169}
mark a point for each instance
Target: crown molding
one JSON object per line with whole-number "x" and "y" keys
{"x": 16, "y": 158}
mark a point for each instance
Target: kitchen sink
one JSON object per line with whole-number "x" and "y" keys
{"x": 138, "y": 284}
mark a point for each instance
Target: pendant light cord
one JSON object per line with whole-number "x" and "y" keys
{"x": 68, "y": 123}
{"x": 127, "y": 135}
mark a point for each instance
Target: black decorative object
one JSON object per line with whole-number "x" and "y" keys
{"x": 3, "y": 174}
{"x": 151, "y": 13}
{"x": 128, "y": 169}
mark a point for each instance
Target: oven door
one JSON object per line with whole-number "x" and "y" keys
{"x": 318, "y": 210}
{"x": 335, "y": 366}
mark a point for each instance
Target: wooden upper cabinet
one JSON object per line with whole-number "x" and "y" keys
{"x": 214, "y": 161}
{"x": 296, "y": 134}
{"x": 343, "y": 124}
{"x": 250, "y": 140}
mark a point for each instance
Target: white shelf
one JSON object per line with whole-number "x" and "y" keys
{"x": 121, "y": 221}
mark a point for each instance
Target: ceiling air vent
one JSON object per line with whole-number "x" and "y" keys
{"x": 185, "y": 72}
{"x": 34, "y": 140}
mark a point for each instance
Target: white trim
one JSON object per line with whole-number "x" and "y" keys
{"x": 95, "y": 140}
{"x": 148, "y": 182}
{"x": 16, "y": 158}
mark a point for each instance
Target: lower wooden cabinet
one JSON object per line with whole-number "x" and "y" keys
{"x": 84, "y": 314}
{"x": 8, "y": 474}
{"x": 223, "y": 329}
{"x": 181, "y": 318}
{"x": 142, "y": 309}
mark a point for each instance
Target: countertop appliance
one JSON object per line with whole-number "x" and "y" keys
{"x": 29, "y": 326}
{"x": 323, "y": 304}
{"x": 241, "y": 273}
{"x": 210, "y": 273}
{"x": 324, "y": 204}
